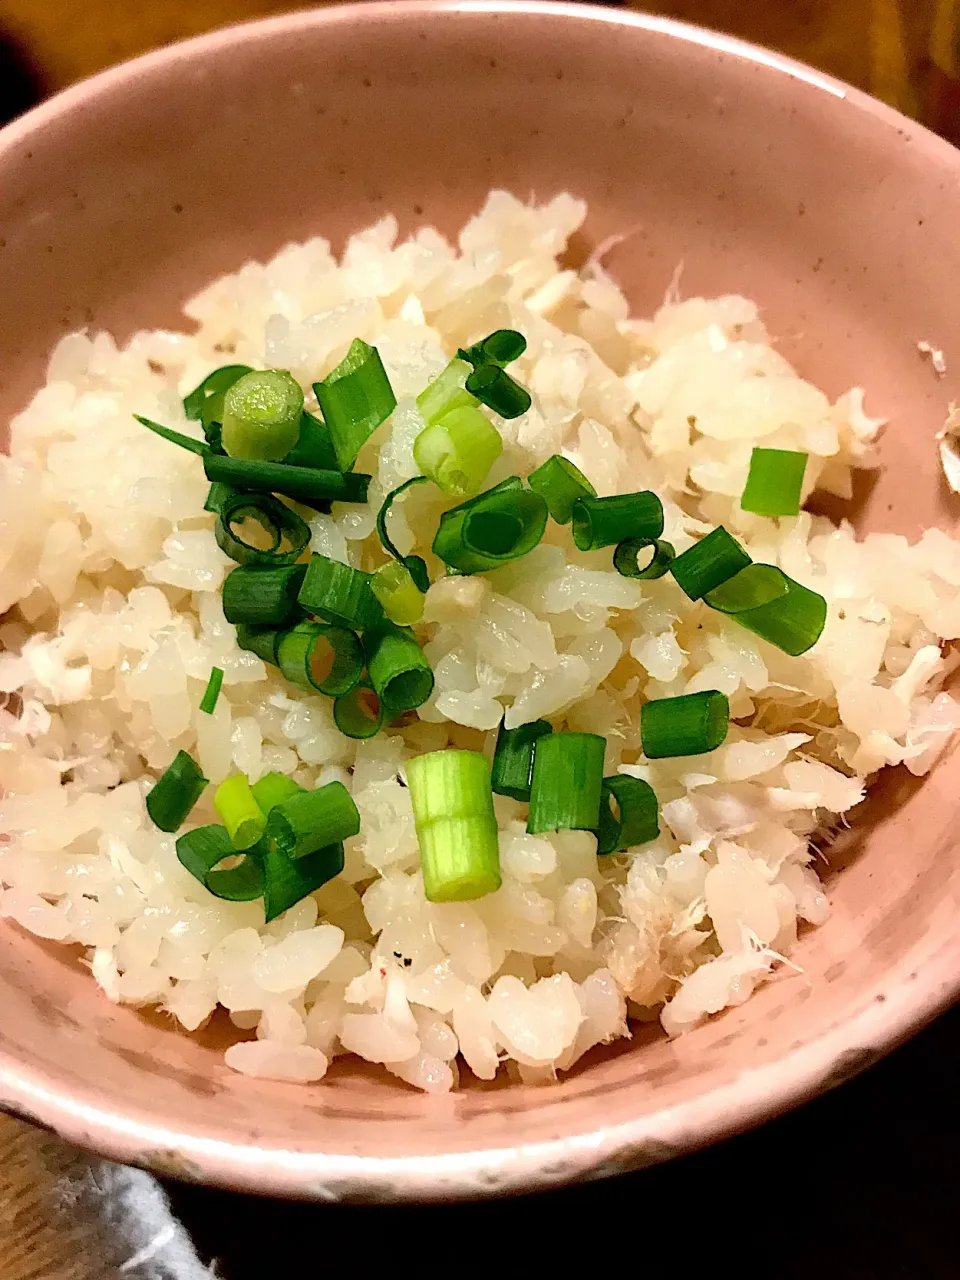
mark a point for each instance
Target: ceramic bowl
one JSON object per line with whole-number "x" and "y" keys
{"x": 123, "y": 195}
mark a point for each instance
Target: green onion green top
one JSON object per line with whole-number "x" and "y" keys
{"x": 211, "y": 694}
{"x": 767, "y": 602}
{"x": 566, "y": 783}
{"x": 177, "y": 790}
{"x": 708, "y": 563}
{"x": 497, "y": 526}
{"x": 774, "y": 482}
{"x": 602, "y": 522}
{"x": 311, "y": 820}
{"x": 628, "y": 814}
{"x": 341, "y": 594}
{"x": 513, "y": 758}
{"x": 355, "y": 398}
{"x": 560, "y": 484}
{"x": 685, "y": 726}
{"x": 203, "y": 851}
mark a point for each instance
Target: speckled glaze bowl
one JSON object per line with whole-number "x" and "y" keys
{"x": 123, "y": 195}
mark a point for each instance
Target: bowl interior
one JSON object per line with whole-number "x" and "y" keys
{"x": 120, "y": 198}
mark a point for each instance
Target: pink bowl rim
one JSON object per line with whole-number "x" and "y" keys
{"x": 756, "y": 1094}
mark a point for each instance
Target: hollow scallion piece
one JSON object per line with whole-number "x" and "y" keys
{"x": 400, "y": 597}
{"x": 446, "y": 393}
{"x": 566, "y": 782}
{"x": 288, "y": 881}
{"x": 495, "y": 388}
{"x": 205, "y": 403}
{"x": 312, "y": 820}
{"x": 774, "y": 482}
{"x": 263, "y": 641}
{"x": 491, "y": 529}
{"x": 314, "y": 655}
{"x": 220, "y": 493}
{"x": 278, "y": 537}
{"x": 457, "y": 451}
{"x": 340, "y": 594}
{"x": 178, "y": 789}
{"x": 272, "y": 789}
{"x": 242, "y": 816}
{"x": 399, "y": 671}
{"x": 354, "y": 399}
{"x": 560, "y": 484}
{"x": 626, "y": 558}
{"x": 314, "y": 447}
{"x": 359, "y": 713}
{"x": 414, "y": 564}
{"x": 456, "y": 827}
{"x": 513, "y": 758}
{"x": 500, "y": 347}
{"x": 303, "y": 484}
{"x": 208, "y": 702}
{"x": 684, "y": 726}
{"x": 708, "y": 563}
{"x": 602, "y": 522}
{"x": 772, "y": 605}
{"x": 203, "y": 852}
{"x": 628, "y": 814}
{"x": 263, "y": 597}
{"x": 176, "y": 437}
{"x": 261, "y": 415}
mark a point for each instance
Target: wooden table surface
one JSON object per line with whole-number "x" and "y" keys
{"x": 859, "y": 1184}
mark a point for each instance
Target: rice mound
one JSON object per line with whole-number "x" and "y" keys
{"x": 109, "y": 582}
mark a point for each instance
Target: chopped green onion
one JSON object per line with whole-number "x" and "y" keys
{"x": 456, "y": 825}
{"x": 457, "y": 451}
{"x": 566, "y": 782}
{"x": 626, "y": 558}
{"x": 261, "y": 415}
{"x": 774, "y": 482}
{"x": 500, "y": 347}
{"x": 313, "y": 655}
{"x": 602, "y": 522}
{"x": 272, "y": 789}
{"x": 289, "y": 534}
{"x": 767, "y": 602}
{"x": 261, "y": 597}
{"x": 354, "y": 399}
{"x": 203, "y": 850}
{"x": 176, "y": 437}
{"x": 401, "y": 598}
{"x": 497, "y": 526}
{"x": 513, "y": 758}
{"x": 303, "y": 484}
{"x": 446, "y": 393}
{"x": 263, "y": 641}
{"x": 208, "y": 702}
{"x": 178, "y": 789}
{"x": 359, "y": 713}
{"x": 495, "y": 388}
{"x": 559, "y": 483}
{"x": 341, "y": 594}
{"x": 314, "y": 448}
{"x": 635, "y": 820}
{"x": 684, "y": 726}
{"x": 288, "y": 881}
{"x": 313, "y": 819}
{"x": 708, "y": 563}
{"x": 399, "y": 671}
{"x": 242, "y": 816}
{"x": 205, "y": 403}
{"x": 414, "y": 564}
{"x": 218, "y": 494}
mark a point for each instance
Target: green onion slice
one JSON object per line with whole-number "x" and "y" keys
{"x": 288, "y": 881}
{"x": 261, "y": 415}
{"x": 263, "y": 641}
{"x": 203, "y": 852}
{"x": 500, "y": 347}
{"x": 313, "y": 819}
{"x": 684, "y": 726}
{"x": 274, "y": 522}
{"x": 628, "y": 814}
{"x": 359, "y": 713}
{"x": 272, "y": 789}
{"x": 340, "y": 594}
{"x": 446, "y": 393}
{"x": 566, "y": 782}
{"x": 560, "y": 484}
{"x": 774, "y": 482}
{"x": 773, "y": 606}
{"x": 398, "y": 593}
{"x": 314, "y": 447}
{"x": 263, "y": 597}
{"x": 626, "y": 558}
{"x": 242, "y": 816}
{"x": 177, "y": 790}
{"x": 176, "y": 437}
{"x": 495, "y": 388}
{"x": 399, "y": 671}
{"x": 457, "y": 451}
{"x": 602, "y": 522}
{"x": 456, "y": 826}
{"x": 414, "y": 564}
{"x": 313, "y": 655}
{"x": 354, "y": 399}
{"x": 205, "y": 403}
{"x": 513, "y": 758}
{"x": 497, "y": 526}
{"x": 708, "y": 563}
{"x": 208, "y": 702}
{"x": 303, "y": 484}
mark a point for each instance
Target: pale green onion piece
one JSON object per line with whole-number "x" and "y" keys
{"x": 261, "y": 415}
{"x": 242, "y": 816}
{"x": 457, "y": 451}
{"x": 445, "y": 393}
{"x": 401, "y": 598}
{"x": 456, "y": 826}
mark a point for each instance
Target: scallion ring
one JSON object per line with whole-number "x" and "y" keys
{"x": 326, "y": 658}
{"x": 629, "y": 814}
{"x": 287, "y": 533}
{"x": 491, "y": 529}
{"x": 688, "y": 725}
{"x": 626, "y": 558}
{"x": 204, "y": 853}
{"x": 772, "y": 605}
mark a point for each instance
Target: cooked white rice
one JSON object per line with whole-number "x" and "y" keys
{"x": 110, "y": 575}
